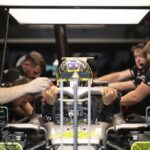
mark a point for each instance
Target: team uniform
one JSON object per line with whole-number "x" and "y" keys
{"x": 138, "y": 77}
{"x": 147, "y": 78}
{"x": 11, "y": 75}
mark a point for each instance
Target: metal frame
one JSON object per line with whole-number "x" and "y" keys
{"x": 5, "y": 46}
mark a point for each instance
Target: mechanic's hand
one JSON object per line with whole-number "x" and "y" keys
{"x": 108, "y": 95}
{"x": 50, "y": 96}
{"x": 38, "y": 85}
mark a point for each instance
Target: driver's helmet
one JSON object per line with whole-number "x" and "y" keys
{"x": 74, "y": 68}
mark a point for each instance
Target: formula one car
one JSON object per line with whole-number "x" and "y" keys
{"x": 79, "y": 119}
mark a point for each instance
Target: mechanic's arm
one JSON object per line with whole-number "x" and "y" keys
{"x": 136, "y": 96}
{"x": 123, "y": 86}
{"x": 27, "y": 109}
{"x": 116, "y": 76}
{"x": 37, "y": 85}
{"x": 19, "y": 112}
{"x": 22, "y": 105}
{"x": 23, "y": 111}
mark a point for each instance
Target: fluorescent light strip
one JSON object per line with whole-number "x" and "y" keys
{"x": 78, "y": 16}
{"x": 75, "y": 3}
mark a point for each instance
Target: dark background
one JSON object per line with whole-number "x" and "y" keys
{"x": 109, "y": 44}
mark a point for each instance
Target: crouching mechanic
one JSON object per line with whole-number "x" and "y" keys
{"x": 30, "y": 68}
{"x": 19, "y": 92}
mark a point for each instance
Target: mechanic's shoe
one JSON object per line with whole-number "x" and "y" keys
{"x": 118, "y": 119}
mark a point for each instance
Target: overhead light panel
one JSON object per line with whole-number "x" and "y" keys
{"x": 77, "y": 11}
{"x": 133, "y": 3}
{"x": 78, "y": 16}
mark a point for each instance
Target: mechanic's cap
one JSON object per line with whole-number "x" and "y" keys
{"x": 74, "y": 67}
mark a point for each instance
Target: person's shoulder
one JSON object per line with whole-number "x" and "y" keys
{"x": 147, "y": 76}
{"x": 133, "y": 70}
{"x": 11, "y": 74}
{"x": 12, "y": 71}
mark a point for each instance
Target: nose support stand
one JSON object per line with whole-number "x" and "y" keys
{"x": 89, "y": 114}
{"x": 75, "y": 118}
{"x": 61, "y": 113}
{"x": 75, "y": 125}
{"x": 74, "y": 86}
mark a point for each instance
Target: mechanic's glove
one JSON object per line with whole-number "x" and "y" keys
{"x": 108, "y": 97}
{"x": 50, "y": 96}
{"x": 117, "y": 104}
{"x": 111, "y": 101}
{"x": 135, "y": 118}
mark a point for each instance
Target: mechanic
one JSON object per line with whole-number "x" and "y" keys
{"x": 138, "y": 75}
{"x": 140, "y": 93}
{"x": 143, "y": 89}
{"x": 31, "y": 67}
{"x": 135, "y": 72}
